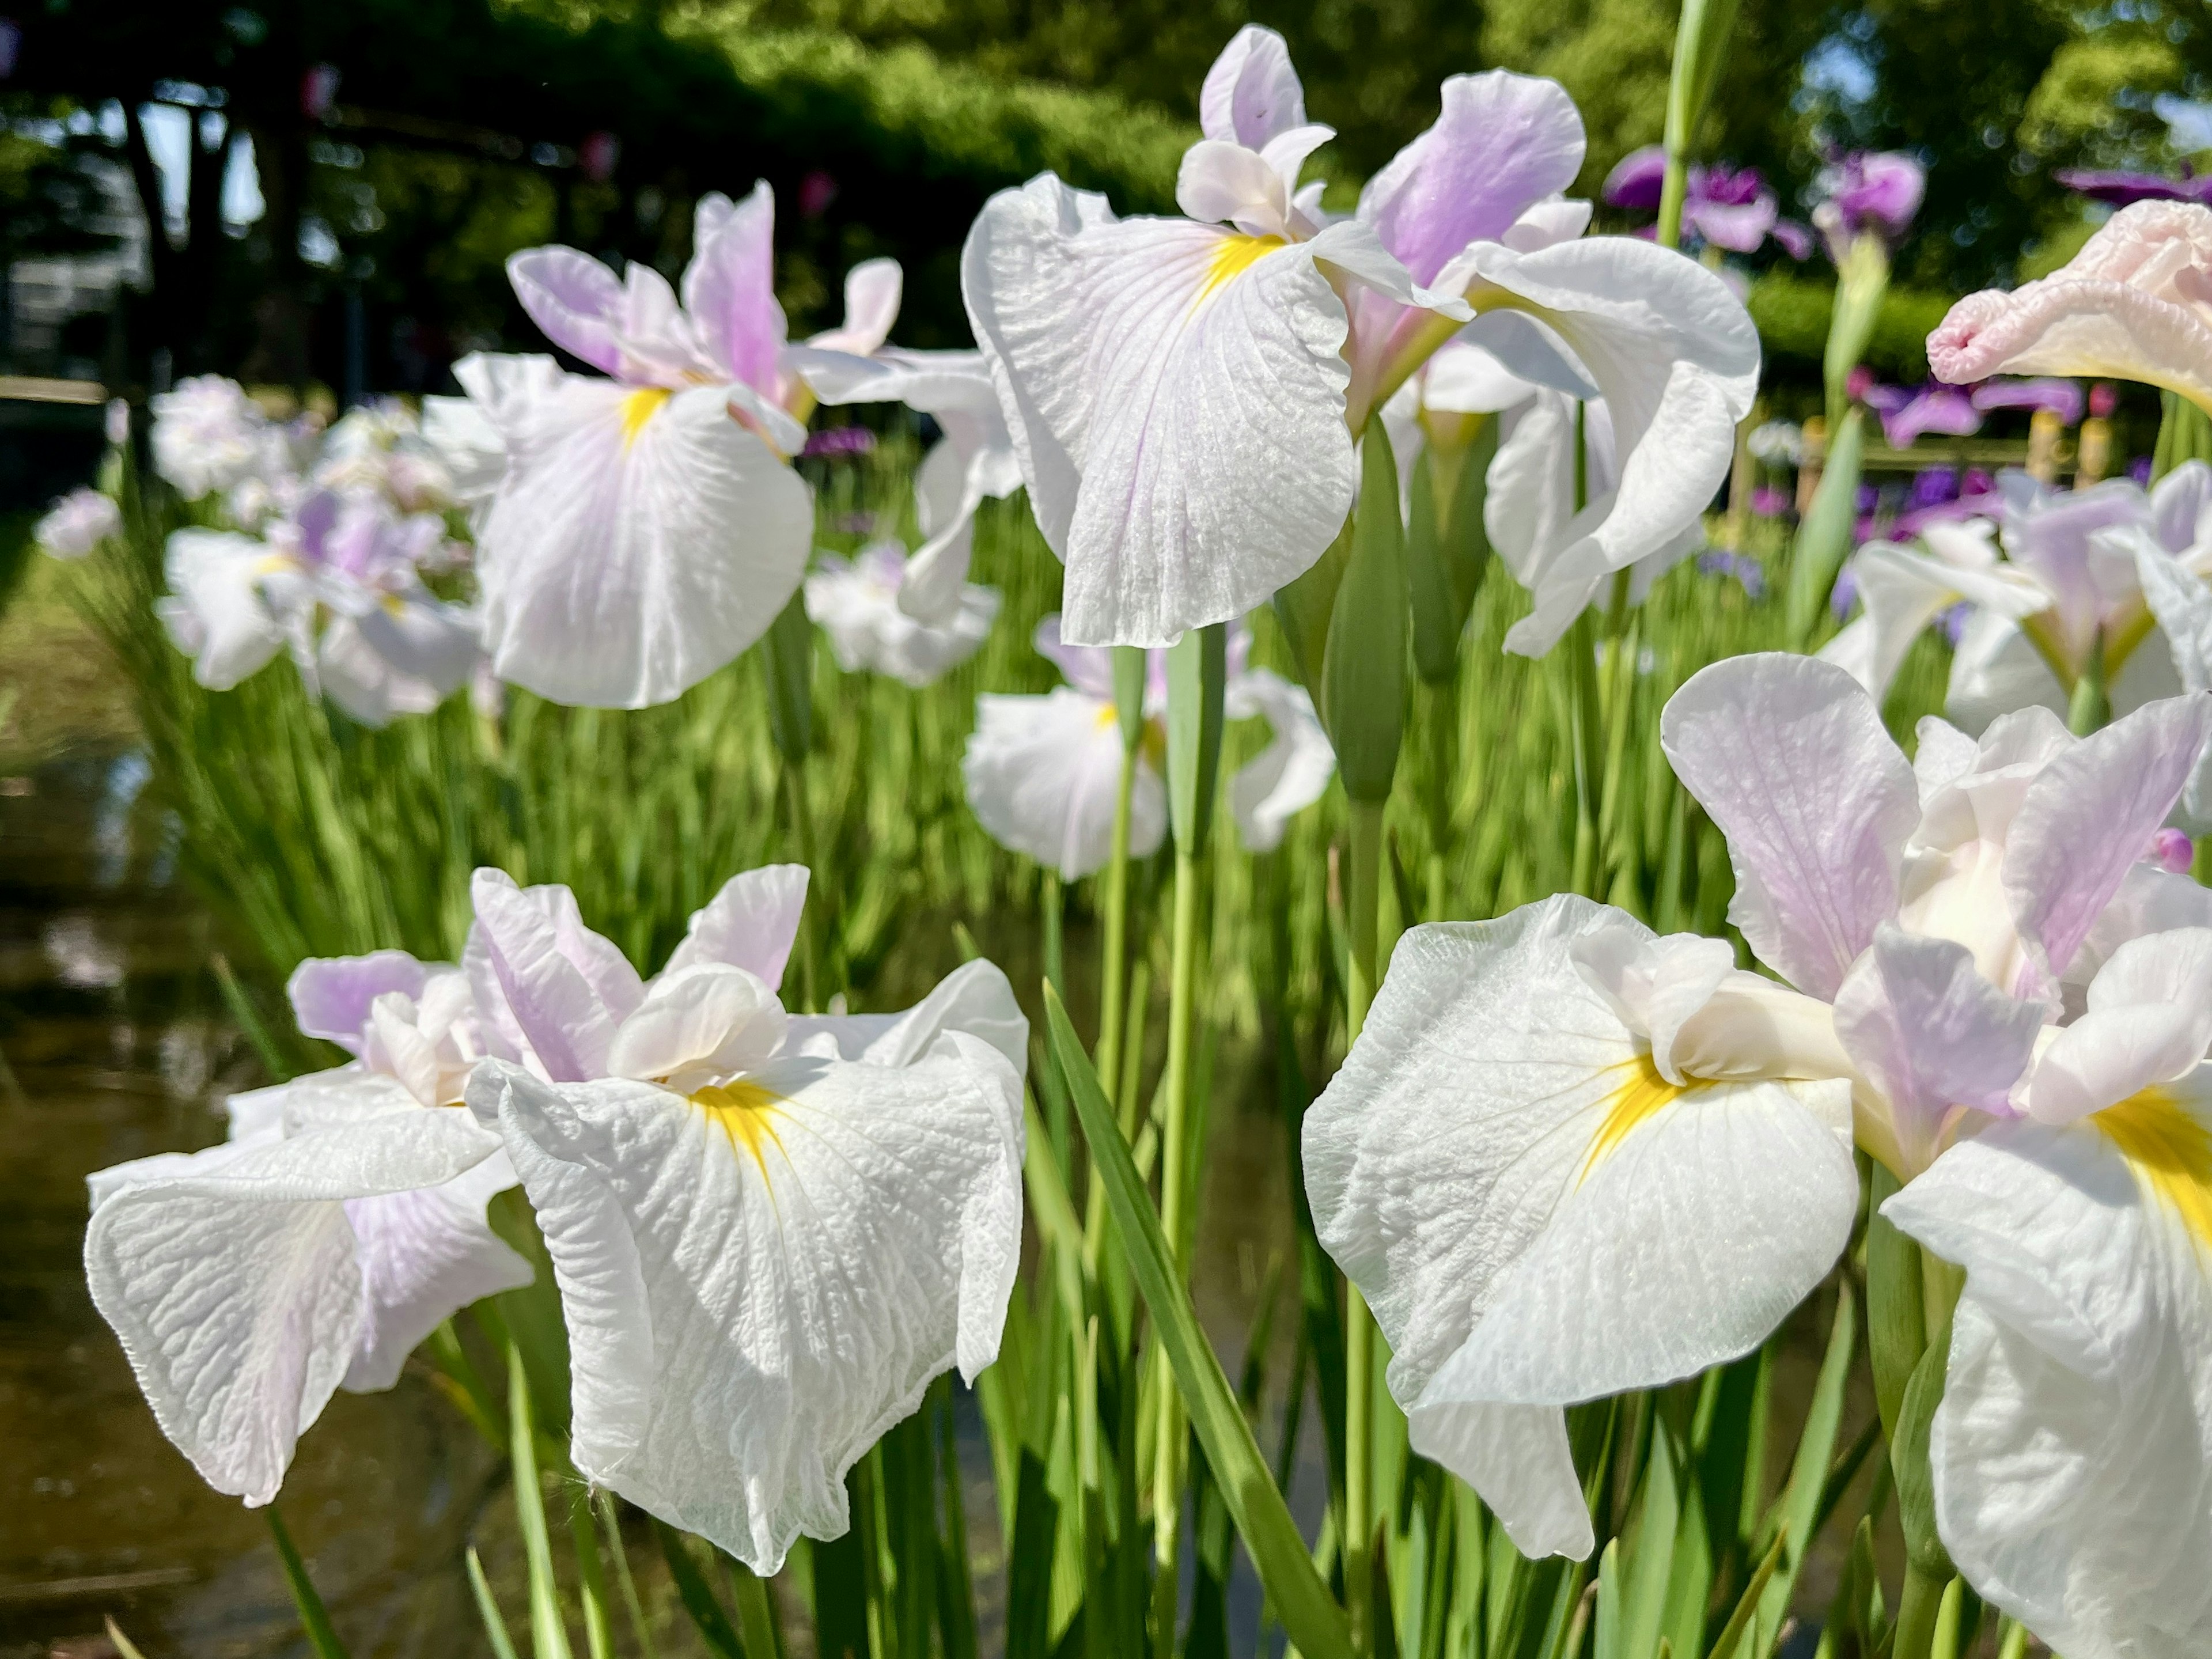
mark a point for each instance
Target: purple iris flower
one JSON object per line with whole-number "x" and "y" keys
{"x": 1932, "y": 486}
{"x": 2124, "y": 189}
{"x": 1868, "y": 191}
{"x": 1845, "y": 593}
{"x": 1731, "y": 207}
{"x": 1906, "y": 416}
{"x": 2062, "y": 398}
{"x": 1749, "y": 574}
{"x": 835, "y": 441}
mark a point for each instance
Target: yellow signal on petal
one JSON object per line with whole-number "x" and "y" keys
{"x": 746, "y": 1113}
{"x": 1232, "y": 256}
{"x": 1640, "y": 1092}
{"x": 641, "y": 406}
{"x": 2169, "y": 1148}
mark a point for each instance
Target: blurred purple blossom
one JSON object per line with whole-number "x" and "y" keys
{"x": 815, "y": 192}
{"x": 1954, "y": 620}
{"x": 1867, "y": 191}
{"x": 1768, "y": 502}
{"x": 2139, "y": 470}
{"x": 1932, "y": 486}
{"x": 2123, "y": 189}
{"x": 1845, "y": 593}
{"x": 835, "y": 441}
{"x": 1906, "y": 416}
{"x": 1749, "y": 574}
{"x": 1727, "y": 207}
{"x": 2172, "y": 850}
{"x": 2062, "y": 398}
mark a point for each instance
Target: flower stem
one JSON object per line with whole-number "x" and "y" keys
{"x": 2090, "y": 708}
{"x": 1362, "y": 905}
{"x": 1168, "y": 1445}
{"x": 1917, "y": 1612}
{"x": 1114, "y": 950}
{"x": 802, "y": 835}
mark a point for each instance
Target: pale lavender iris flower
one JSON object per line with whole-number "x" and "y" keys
{"x": 647, "y": 526}
{"x": 770, "y": 1230}
{"x": 340, "y": 1224}
{"x": 1185, "y": 394}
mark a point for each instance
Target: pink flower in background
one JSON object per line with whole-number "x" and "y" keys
{"x": 598, "y": 155}
{"x": 815, "y": 192}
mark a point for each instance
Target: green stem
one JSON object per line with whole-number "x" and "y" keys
{"x": 1916, "y": 1611}
{"x": 1673, "y": 189}
{"x": 1113, "y": 961}
{"x": 1168, "y": 1443}
{"x": 1444, "y": 708}
{"x": 802, "y": 835}
{"x": 2090, "y": 708}
{"x": 1112, "y": 995}
{"x": 1586, "y": 711}
{"x": 1363, "y": 904}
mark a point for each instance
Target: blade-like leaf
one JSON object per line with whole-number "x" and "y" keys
{"x": 495, "y": 1622}
{"x": 314, "y": 1620}
{"x": 697, "y": 1595}
{"x": 1313, "y": 1620}
{"x": 549, "y": 1637}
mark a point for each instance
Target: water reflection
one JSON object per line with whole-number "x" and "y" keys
{"x": 115, "y": 1044}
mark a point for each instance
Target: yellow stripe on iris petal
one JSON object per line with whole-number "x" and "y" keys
{"x": 641, "y": 406}
{"x": 744, "y": 1112}
{"x": 1639, "y": 1093}
{"x": 1232, "y": 256}
{"x": 2170, "y": 1149}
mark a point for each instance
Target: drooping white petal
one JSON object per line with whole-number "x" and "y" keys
{"x": 1292, "y": 773}
{"x": 423, "y": 1255}
{"x": 1677, "y": 358}
{"x": 1175, "y": 395}
{"x": 1044, "y": 774}
{"x": 2147, "y": 1020}
{"x": 1536, "y": 1217}
{"x": 639, "y": 541}
{"x": 1789, "y": 758}
{"x": 236, "y": 1286}
{"x": 750, "y": 924}
{"x": 2072, "y": 1452}
{"x": 758, "y": 1283}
